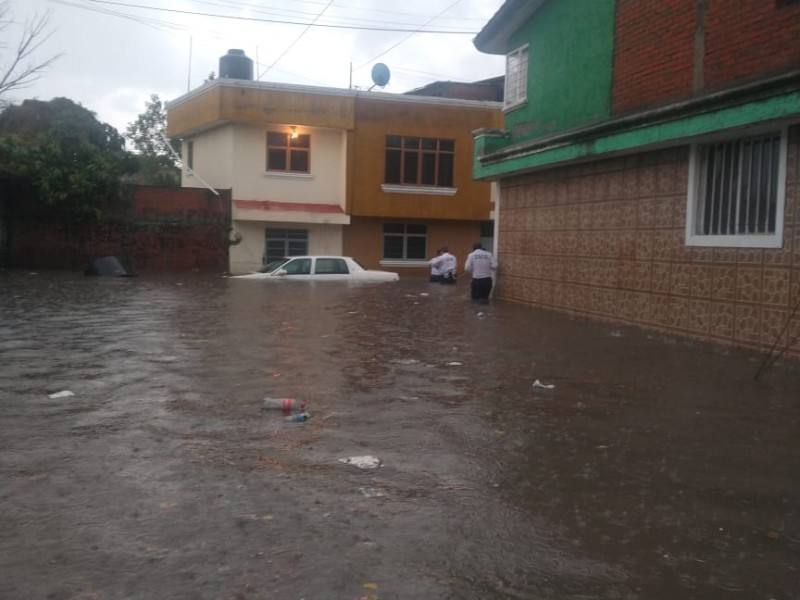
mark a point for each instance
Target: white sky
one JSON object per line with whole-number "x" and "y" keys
{"x": 116, "y": 53}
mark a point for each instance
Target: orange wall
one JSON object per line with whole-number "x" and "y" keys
{"x": 377, "y": 118}
{"x": 363, "y": 240}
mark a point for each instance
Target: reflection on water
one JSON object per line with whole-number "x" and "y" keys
{"x": 655, "y": 468}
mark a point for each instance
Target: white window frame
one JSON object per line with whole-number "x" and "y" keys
{"x": 516, "y": 84}
{"x": 696, "y": 197}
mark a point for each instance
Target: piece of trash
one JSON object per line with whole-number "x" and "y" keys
{"x": 63, "y": 394}
{"x": 424, "y": 294}
{"x": 284, "y": 404}
{"x": 362, "y": 462}
{"x": 370, "y": 492}
{"x": 370, "y": 586}
{"x": 455, "y": 363}
{"x": 616, "y": 333}
{"x": 300, "y": 417}
{"x": 543, "y": 386}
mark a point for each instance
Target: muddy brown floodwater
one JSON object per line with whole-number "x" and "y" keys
{"x": 656, "y": 468}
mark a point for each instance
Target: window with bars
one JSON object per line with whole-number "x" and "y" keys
{"x": 736, "y": 192}
{"x": 516, "y": 87}
{"x": 280, "y": 243}
{"x": 405, "y": 241}
{"x": 419, "y": 161}
{"x": 288, "y": 152}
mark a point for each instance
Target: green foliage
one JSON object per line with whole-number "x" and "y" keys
{"x": 73, "y": 162}
{"x": 157, "y": 164}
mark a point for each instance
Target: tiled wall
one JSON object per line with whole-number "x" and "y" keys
{"x": 606, "y": 240}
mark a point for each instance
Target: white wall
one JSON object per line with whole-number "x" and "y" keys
{"x": 213, "y": 159}
{"x": 324, "y": 185}
{"x": 248, "y": 254}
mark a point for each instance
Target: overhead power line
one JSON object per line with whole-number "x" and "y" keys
{"x": 285, "y": 21}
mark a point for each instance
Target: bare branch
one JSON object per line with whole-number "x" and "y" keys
{"x": 20, "y": 72}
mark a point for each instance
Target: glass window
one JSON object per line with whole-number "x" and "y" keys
{"x": 516, "y": 88}
{"x": 331, "y": 266}
{"x": 405, "y": 241}
{"x": 298, "y": 266}
{"x": 737, "y": 189}
{"x": 289, "y": 152}
{"x": 419, "y": 161}
{"x": 280, "y": 243}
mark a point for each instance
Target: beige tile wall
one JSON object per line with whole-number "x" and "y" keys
{"x": 606, "y": 240}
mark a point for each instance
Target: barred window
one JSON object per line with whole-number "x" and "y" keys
{"x": 405, "y": 241}
{"x": 736, "y": 192}
{"x": 516, "y": 88}
{"x": 280, "y": 243}
{"x": 288, "y": 152}
{"x": 419, "y": 161}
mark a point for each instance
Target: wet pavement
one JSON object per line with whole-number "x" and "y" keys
{"x": 655, "y": 468}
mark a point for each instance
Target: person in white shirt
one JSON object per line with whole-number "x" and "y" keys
{"x": 446, "y": 264}
{"x": 436, "y": 271}
{"x": 482, "y": 265}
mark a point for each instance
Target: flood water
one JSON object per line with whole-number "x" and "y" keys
{"x": 655, "y": 468}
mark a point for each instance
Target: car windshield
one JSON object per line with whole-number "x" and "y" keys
{"x": 270, "y": 267}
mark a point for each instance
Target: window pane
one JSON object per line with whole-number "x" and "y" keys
{"x": 276, "y": 160}
{"x": 410, "y": 142}
{"x": 392, "y": 246}
{"x": 410, "y": 168}
{"x": 417, "y": 229}
{"x": 301, "y": 141}
{"x": 394, "y": 228}
{"x": 447, "y": 145}
{"x": 428, "y": 169}
{"x": 392, "y": 166}
{"x": 393, "y": 141}
{"x": 445, "y": 170}
{"x": 429, "y": 144}
{"x": 417, "y": 247}
{"x": 299, "y": 161}
{"x": 276, "y": 139}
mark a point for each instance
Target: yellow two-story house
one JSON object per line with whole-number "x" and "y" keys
{"x": 385, "y": 178}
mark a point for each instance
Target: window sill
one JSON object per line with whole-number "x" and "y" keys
{"x": 391, "y": 188}
{"x": 400, "y": 263}
{"x": 735, "y": 241}
{"x": 287, "y": 175}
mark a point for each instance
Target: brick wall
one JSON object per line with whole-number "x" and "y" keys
{"x": 667, "y": 50}
{"x": 606, "y": 240}
{"x": 653, "y": 52}
{"x": 752, "y": 40}
{"x": 158, "y": 229}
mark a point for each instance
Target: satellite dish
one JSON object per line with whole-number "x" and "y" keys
{"x": 380, "y": 74}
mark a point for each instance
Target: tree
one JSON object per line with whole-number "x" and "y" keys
{"x": 18, "y": 71}
{"x": 72, "y": 162}
{"x": 158, "y": 165}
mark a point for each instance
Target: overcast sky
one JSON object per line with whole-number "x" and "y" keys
{"x": 116, "y": 53}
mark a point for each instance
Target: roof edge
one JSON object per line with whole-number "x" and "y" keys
{"x": 495, "y": 35}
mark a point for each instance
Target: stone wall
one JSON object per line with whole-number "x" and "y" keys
{"x": 606, "y": 240}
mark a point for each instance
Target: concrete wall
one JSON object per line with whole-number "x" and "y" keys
{"x": 158, "y": 229}
{"x": 605, "y": 239}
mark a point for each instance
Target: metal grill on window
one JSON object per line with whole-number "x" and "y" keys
{"x": 739, "y": 186}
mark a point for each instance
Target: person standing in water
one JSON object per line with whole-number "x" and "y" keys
{"x": 481, "y": 265}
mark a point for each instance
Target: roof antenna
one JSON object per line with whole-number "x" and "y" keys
{"x": 380, "y": 76}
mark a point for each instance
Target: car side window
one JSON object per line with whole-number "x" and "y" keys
{"x": 300, "y": 266}
{"x": 331, "y": 266}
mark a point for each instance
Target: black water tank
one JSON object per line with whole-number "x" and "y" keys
{"x": 236, "y": 65}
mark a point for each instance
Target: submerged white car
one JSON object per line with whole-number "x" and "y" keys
{"x": 319, "y": 268}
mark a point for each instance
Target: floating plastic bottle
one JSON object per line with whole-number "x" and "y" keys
{"x": 286, "y": 404}
{"x": 300, "y": 417}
